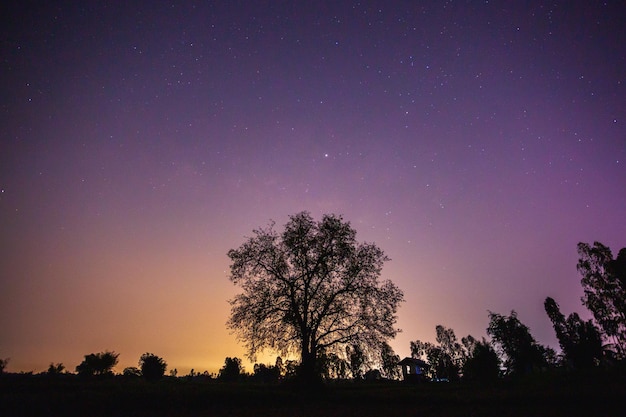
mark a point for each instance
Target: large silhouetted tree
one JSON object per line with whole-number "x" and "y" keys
{"x": 580, "y": 340}
{"x": 604, "y": 283}
{"x": 523, "y": 354}
{"x": 98, "y": 364}
{"x": 309, "y": 289}
{"x": 152, "y": 367}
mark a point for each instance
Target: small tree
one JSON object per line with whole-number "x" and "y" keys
{"x": 231, "y": 371}
{"x": 280, "y": 366}
{"x": 357, "y": 361}
{"x": 98, "y": 364}
{"x": 152, "y": 367}
{"x": 310, "y": 289}
{"x": 55, "y": 369}
{"x": 3, "y": 364}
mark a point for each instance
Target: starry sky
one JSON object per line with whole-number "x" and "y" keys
{"x": 475, "y": 142}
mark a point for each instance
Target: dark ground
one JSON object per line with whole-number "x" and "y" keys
{"x": 560, "y": 394}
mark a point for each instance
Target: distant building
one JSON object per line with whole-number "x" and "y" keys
{"x": 413, "y": 370}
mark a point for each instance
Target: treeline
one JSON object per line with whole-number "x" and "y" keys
{"x": 511, "y": 352}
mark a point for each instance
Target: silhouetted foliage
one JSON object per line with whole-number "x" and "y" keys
{"x": 469, "y": 342}
{"x": 357, "y": 361}
{"x": 483, "y": 363}
{"x": 3, "y": 364}
{"x": 373, "y": 375}
{"x": 312, "y": 287}
{"x": 389, "y": 362}
{"x": 523, "y": 354}
{"x": 580, "y": 340}
{"x": 231, "y": 371}
{"x": 266, "y": 374}
{"x": 604, "y": 284}
{"x": 291, "y": 368}
{"x": 132, "y": 372}
{"x": 98, "y": 364}
{"x": 334, "y": 366}
{"x": 445, "y": 359}
{"x": 152, "y": 367}
{"x": 55, "y": 369}
{"x": 280, "y": 367}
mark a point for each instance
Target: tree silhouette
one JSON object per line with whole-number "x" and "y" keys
{"x": 152, "y": 367}
{"x": 446, "y": 358}
{"x": 3, "y": 364}
{"x": 333, "y": 366}
{"x": 132, "y": 372}
{"x": 55, "y": 369}
{"x": 98, "y": 364}
{"x": 266, "y": 373}
{"x": 389, "y": 362}
{"x": 357, "y": 360}
{"x": 523, "y": 353}
{"x": 311, "y": 288}
{"x": 280, "y": 367}
{"x": 454, "y": 353}
{"x": 604, "y": 283}
{"x": 231, "y": 371}
{"x": 580, "y": 340}
{"x": 483, "y": 363}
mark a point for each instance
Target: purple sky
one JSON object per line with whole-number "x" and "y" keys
{"x": 475, "y": 142}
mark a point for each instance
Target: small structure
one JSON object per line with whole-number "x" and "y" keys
{"x": 413, "y": 370}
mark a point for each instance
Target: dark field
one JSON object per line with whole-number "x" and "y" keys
{"x": 546, "y": 395}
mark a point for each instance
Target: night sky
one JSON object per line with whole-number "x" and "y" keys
{"x": 475, "y": 142}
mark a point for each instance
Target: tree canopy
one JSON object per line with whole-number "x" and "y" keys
{"x": 446, "y": 358}
{"x": 523, "y": 353}
{"x": 604, "y": 283}
{"x": 309, "y": 289}
{"x": 580, "y": 340}
{"x": 231, "y": 371}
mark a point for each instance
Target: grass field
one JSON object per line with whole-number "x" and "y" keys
{"x": 594, "y": 394}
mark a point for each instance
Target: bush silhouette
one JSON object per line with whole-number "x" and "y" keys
{"x": 55, "y": 369}
{"x": 152, "y": 366}
{"x": 132, "y": 372}
{"x": 98, "y": 364}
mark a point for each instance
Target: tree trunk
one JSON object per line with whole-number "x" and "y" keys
{"x": 308, "y": 369}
